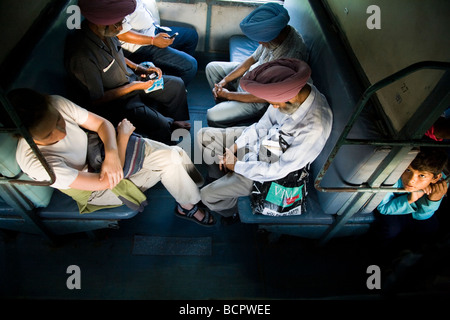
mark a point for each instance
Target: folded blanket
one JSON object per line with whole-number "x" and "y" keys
{"x": 125, "y": 192}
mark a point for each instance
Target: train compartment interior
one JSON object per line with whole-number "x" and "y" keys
{"x": 325, "y": 253}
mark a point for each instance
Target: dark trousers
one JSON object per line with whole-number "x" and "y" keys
{"x": 151, "y": 113}
{"x": 171, "y": 101}
{"x": 176, "y": 60}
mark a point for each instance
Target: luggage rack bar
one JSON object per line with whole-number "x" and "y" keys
{"x": 392, "y": 143}
{"x": 400, "y": 148}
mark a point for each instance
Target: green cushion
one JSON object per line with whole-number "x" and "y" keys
{"x": 8, "y": 164}
{"x": 39, "y": 196}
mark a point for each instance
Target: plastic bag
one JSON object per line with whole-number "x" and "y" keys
{"x": 282, "y": 197}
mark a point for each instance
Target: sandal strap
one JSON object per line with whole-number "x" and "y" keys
{"x": 188, "y": 213}
{"x": 205, "y": 219}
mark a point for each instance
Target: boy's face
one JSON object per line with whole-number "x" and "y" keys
{"x": 50, "y": 130}
{"x": 414, "y": 180}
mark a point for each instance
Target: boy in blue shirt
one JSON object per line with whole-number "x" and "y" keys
{"x": 413, "y": 211}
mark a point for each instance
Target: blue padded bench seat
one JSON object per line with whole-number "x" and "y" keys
{"x": 312, "y": 216}
{"x": 241, "y": 47}
{"x": 312, "y": 224}
{"x": 63, "y": 207}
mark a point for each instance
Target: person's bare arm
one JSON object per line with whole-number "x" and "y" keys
{"x": 224, "y": 93}
{"x": 238, "y": 71}
{"x": 118, "y": 92}
{"x": 124, "y": 131}
{"x": 111, "y": 172}
{"x": 220, "y": 90}
{"x": 161, "y": 40}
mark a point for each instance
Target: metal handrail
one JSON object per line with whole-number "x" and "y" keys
{"x": 20, "y": 128}
{"x": 358, "y": 109}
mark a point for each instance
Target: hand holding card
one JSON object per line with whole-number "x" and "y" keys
{"x": 158, "y": 83}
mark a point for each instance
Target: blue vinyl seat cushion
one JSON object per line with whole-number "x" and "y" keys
{"x": 64, "y": 207}
{"x": 241, "y": 48}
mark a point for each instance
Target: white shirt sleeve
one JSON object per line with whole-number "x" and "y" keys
{"x": 30, "y": 164}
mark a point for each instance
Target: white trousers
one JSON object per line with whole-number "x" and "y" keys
{"x": 222, "y": 195}
{"x": 173, "y": 167}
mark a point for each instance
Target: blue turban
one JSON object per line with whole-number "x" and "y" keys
{"x": 265, "y": 22}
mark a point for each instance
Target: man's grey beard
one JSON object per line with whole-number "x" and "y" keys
{"x": 271, "y": 45}
{"x": 290, "y": 108}
{"x": 107, "y": 33}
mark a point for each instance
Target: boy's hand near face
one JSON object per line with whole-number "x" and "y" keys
{"x": 434, "y": 191}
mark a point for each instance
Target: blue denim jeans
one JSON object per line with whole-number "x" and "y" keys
{"x": 176, "y": 60}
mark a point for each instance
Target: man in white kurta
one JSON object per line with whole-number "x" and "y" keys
{"x": 144, "y": 40}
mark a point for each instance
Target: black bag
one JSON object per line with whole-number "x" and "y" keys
{"x": 282, "y": 197}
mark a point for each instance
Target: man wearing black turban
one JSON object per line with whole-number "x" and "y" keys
{"x": 115, "y": 87}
